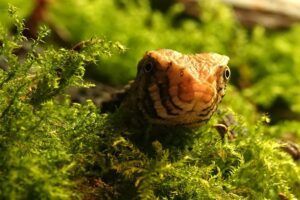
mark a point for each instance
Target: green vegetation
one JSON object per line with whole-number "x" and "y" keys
{"x": 258, "y": 56}
{"x": 51, "y": 148}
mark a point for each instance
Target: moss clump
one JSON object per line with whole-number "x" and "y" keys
{"x": 54, "y": 149}
{"x": 44, "y": 140}
{"x": 199, "y": 164}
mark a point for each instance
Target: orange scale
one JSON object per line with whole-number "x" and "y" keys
{"x": 210, "y": 79}
{"x": 206, "y": 98}
{"x": 209, "y": 90}
{"x": 173, "y": 90}
{"x": 174, "y": 76}
{"x": 198, "y": 95}
{"x": 199, "y": 87}
{"x": 185, "y": 87}
{"x": 186, "y": 96}
{"x": 199, "y": 106}
{"x": 203, "y": 73}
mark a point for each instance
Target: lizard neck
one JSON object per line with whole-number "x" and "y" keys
{"x": 130, "y": 108}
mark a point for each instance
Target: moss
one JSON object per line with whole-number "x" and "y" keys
{"x": 54, "y": 149}
{"x": 199, "y": 164}
{"x": 37, "y": 159}
{"x": 258, "y": 56}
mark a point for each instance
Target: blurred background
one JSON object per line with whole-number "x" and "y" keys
{"x": 260, "y": 36}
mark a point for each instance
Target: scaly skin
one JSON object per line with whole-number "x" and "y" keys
{"x": 176, "y": 89}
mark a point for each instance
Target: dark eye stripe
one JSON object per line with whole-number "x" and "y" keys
{"x": 210, "y": 112}
{"x": 167, "y": 94}
{"x": 164, "y": 98}
{"x": 173, "y": 104}
{"x": 205, "y": 117}
{"x": 161, "y": 110}
{"x": 209, "y": 109}
{"x": 146, "y": 103}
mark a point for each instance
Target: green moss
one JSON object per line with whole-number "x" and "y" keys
{"x": 51, "y": 148}
{"x": 258, "y": 56}
{"x": 198, "y": 164}
{"x": 37, "y": 158}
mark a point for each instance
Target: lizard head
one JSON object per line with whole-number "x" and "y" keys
{"x": 173, "y": 88}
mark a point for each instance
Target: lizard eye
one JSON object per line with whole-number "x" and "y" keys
{"x": 226, "y": 73}
{"x": 148, "y": 67}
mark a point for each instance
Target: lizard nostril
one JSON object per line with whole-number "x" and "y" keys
{"x": 181, "y": 73}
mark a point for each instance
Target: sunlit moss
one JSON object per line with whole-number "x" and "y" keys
{"x": 54, "y": 149}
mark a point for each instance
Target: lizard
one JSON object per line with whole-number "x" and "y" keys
{"x": 173, "y": 89}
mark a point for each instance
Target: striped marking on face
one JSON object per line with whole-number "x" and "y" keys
{"x": 183, "y": 91}
{"x": 168, "y": 104}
